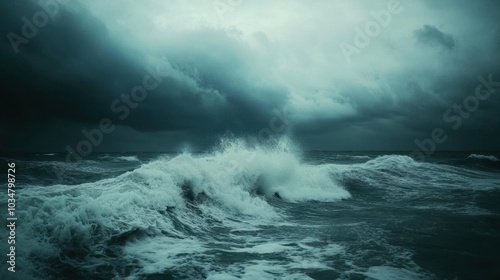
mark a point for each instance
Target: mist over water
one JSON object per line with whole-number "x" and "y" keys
{"x": 94, "y": 92}
{"x": 259, "y": 212}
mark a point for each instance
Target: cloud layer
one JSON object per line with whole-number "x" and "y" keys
{"x": 229, "y": 66}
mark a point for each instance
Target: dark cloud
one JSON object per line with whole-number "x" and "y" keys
{"x": 431, "y": 35}
{"x": 72, "y": 72}
{"x": 232, "y": 79}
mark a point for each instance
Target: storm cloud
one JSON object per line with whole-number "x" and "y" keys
{"x": 228, "y": 67}
{"x": 431, "y": 35}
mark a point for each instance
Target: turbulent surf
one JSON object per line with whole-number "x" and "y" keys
{"x": 255, "y": 212}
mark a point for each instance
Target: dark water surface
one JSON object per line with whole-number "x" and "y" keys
{"x": 243, "y": 213}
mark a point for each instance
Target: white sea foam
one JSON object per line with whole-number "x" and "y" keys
{"x": 119, "y": 158}
{"x": 298, "y": 256}
{"x": 388, "y": 272}
{"x": 483, "y": 157}
{"x": 160, "y": 253}
{"x": 128, "y": 158}
{"x": 391, "y": 162}
{"x": 411, "y": 177}
{"x": 170, "y": 199}
{"x": 267, "y": 248}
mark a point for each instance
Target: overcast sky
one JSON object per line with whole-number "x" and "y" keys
{"x": 229, "y": 67}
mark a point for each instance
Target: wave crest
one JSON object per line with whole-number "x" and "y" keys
{"x": 483, "y": 157}
{"x": 174, "y": 197}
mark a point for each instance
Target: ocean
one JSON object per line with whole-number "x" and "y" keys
{"x": 249, "y": 212}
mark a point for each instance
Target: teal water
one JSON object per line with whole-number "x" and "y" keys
{"x": 243, "y": 213}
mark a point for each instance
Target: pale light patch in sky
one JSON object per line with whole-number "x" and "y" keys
{"x": 255, "y": 56}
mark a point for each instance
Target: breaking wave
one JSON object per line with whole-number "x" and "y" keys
{"x": 483, "y": 157}
{"x": 172, "y": 198}
{"x": 174, "y": 214}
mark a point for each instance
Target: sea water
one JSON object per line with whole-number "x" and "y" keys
{"x": 255, "y": 212}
